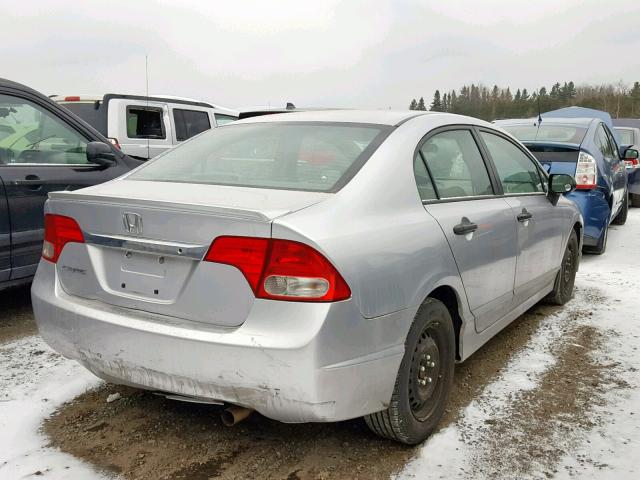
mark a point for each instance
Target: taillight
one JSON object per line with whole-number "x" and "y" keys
{"x": 281, "y": 269}
{"x": 73, "y": 98}
{"x": 114, "y": 142}
{"x": 58, "y": 231}
{"x": 586, "y": 172}
{"x": 632, "y": 163}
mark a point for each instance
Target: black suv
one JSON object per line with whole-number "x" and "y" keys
{"x": 43, "y": 148}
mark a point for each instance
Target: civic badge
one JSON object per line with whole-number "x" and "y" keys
{"x": 132, "y": 223}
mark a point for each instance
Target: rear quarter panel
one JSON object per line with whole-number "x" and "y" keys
{"x": 391, "y": 252}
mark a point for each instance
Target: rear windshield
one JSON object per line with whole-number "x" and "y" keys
{"x": 549, "y": 133}
{"x": 294, "y": 156}
{"x": 626, "y": 136}
{"x": 90, "y": 113}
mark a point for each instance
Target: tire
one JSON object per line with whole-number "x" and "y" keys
{"x": 563, "y": 286}
{"x": 621, "y": 218}
{"x": 635, "y": 200}
{"x": 601, "y": 247}
{"x": 416, "y": 408}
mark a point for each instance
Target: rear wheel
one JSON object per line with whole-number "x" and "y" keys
{"x": 621, "y": 218}
{"x": 424, "y": 379}
{"x": 563, "y": 286}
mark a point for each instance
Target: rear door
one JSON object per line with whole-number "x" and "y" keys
{"x": 5, "y": 235}
{"x": 44, "y": 154}
{"x": 478, "y": 225}
{"x": 540, "y": 225}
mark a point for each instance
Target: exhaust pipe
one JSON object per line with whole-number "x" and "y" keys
{"x": 232, "y": 415}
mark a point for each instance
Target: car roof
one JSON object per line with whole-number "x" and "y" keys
{"x": 575, "y": 122}
{"x": 19, "y": 86}
{"x": 380, "y": 117}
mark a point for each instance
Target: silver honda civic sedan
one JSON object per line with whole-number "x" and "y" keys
{"x": 312, "y": 266}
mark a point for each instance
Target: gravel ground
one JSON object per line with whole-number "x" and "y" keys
{"x": 533, "y": 403}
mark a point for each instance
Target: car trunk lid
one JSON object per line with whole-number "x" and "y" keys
{"x": 145, "y": 241}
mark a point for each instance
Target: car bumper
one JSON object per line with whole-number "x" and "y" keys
{"x": 290, "y": 361}
{"x": 596, "y": 213}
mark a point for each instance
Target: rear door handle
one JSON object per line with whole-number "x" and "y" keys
{"x": 524, "y": 216}
{"x": 465, "y": 226}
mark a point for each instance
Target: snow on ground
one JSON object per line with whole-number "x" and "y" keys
{"x": 34, "y": 381}
{"x": 594, "y": 439}
{"x": 609, "y": 287}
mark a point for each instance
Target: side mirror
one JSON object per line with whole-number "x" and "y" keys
{"x": 100, "y": 154}
{"x": 560, "y": 183}
{"x": 631, "y": 154}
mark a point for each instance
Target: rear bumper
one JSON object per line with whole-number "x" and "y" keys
{"x": 596, "y": 213}
{"x": 293, "y": 362}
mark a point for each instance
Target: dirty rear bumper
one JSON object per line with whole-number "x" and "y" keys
{"x": 293, "y": 362}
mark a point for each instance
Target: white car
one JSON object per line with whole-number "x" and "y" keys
{"x": 143, "y": 127}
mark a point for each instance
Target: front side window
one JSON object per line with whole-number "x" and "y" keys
{"x": 190, "y": 123}
{"x": 517, "y": 172}
{"x": 456, "y": 165}
{"x": 314, "y": 156}
{"x": 31, "y": 134}
{"x": 145, "y": 122}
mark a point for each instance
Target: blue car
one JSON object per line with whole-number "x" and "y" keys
{"x": 628, "y": 130}
{"x": 587, "y": 149}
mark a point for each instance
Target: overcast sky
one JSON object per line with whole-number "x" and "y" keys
{"x": 351, "y": 53}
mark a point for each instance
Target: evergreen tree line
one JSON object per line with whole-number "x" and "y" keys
{"x": 495, "y": 103}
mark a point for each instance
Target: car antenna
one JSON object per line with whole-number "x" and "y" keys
{"x": 539, "y": 118}
{"x": 146, "y": 80}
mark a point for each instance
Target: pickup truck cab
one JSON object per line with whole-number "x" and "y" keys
{"x": 145, "y": 126}
{"x": 43, "y": 148}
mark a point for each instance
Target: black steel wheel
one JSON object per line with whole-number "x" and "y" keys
{"x": 424, "y": 379}
{"x": 565, "y": 279}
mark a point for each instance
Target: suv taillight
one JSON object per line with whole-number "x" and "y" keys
{"x": 281, "y": 269}
{"x": 58, "y": 231}
{"x": 586, "y": 172}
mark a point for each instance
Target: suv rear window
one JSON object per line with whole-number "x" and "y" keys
{"x": 91, "y": 112}
{"x": 190, "y": 123}
{"x": 548, "y": 133}
{"x": 312, "y": 156}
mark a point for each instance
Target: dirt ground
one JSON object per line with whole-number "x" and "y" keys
{"x": 16, "y": 316}
{"x": 145, "y": 436}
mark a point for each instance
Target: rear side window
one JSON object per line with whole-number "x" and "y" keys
{"x": 603, "y": 144}
{"x": 222, "y": 119}
{"x": 145, "y": 122}
{"x": 314, "y": 156}
{"x": 190, "y": 123}
{"x": 456, "y": 165}
{"x": 517, "y": 172}
{"x": 423, "y": 180}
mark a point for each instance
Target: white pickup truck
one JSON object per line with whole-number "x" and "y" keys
{"x": 143, "y": 127}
